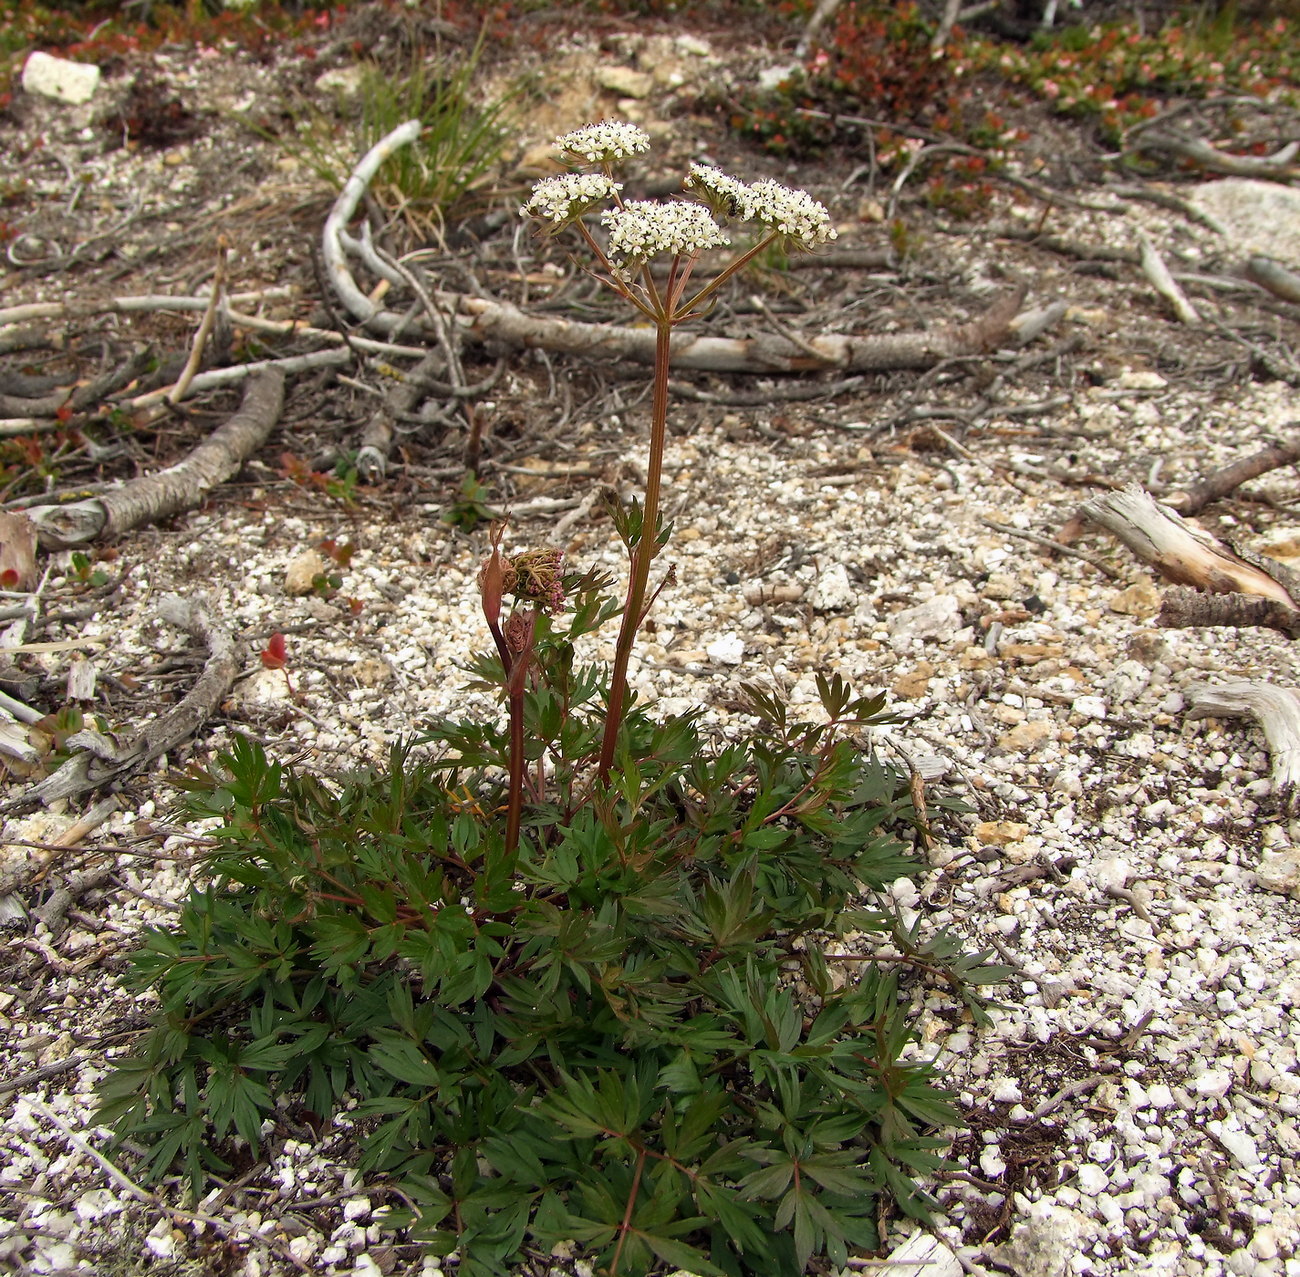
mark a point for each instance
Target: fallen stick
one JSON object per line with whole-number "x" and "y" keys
{"x": 177, "y": 392}
{"x": 377, "y": 437}
{"x": 233, "y": 375}
{"x": 130, "y": 305}
{"x": 1181, "y": 553}
{"x": 1274, "y": 277}
{"x": 350, "y": 196}
{"x": 179, "y": 487}
{"x": 1153, "y": 266}
{"x": 491, "y": 320}
{"x": 1276, "y": 709}
{"x": 1230, "y": 478}
{"x": 1278, "y": 165}
{"x": 100, "y": 760}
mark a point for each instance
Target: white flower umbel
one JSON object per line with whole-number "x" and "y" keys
{"x": 561, "y": 199}
{"x": 601, "y": 143}
{"x": 646, "y": 228}
{"x": 792, "y": 213}
{"x": 722, "y": 193}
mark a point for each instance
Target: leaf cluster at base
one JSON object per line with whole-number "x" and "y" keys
{"x": 625, "y": 1035}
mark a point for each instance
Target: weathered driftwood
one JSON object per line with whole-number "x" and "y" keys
{"x": 100, "y": 760}
{"x": 179, "y": 487}
{"x": 486, "y": 319}
{"x": 765, "y": 353}
{"x": 1230, "y": 478}
{"x": 1277, "y": 710}
{"x": 146, "y": 302}
{"x": 1184, "y": 554}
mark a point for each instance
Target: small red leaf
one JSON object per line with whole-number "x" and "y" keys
{"x": 273, "y": 654}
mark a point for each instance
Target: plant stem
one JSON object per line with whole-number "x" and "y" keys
{"x": 514, "y": 811}
{"x": 647, "y": 546}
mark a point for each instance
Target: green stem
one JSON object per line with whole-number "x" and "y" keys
{"x": 647, "y": 546}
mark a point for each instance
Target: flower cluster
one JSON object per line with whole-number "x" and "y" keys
{"x": 604, "y": 142}
{"x": 792, "y": 213}
{"x": 722, "y": 193}
{"x": 645, "y": 228}
{"x": 561, "y": 199}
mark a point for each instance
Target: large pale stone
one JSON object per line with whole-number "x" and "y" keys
{"x": 1261, "y": 217}
{"x": 51, "y": 77}
{"x": 626, "y": 82}
{"x": 938, "y": 618}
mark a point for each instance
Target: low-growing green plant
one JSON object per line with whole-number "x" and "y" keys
{"x": 470, "y": 508}
{"x": 579, "y": 975}
{"x": 461, "y": 143}
{"x": 1120, "y": 76}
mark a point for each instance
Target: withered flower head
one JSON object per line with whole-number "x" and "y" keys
{"x": 519, "y": 631}
{"x": 538, "y": 579}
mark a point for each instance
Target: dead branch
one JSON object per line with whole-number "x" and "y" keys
{"x": 1280, "y": 165}
{"x": 131, "y": 305}
{"x": 100, "y": 760}
{"x": 206, "y": 325}
{"x": 377, "y": 437}
{"x": 1153, "y": 266}
{"x": 1068, "y": 247}
{"x": 1276, "y": 709}
{"x": 179, "y": 487}
{"x": 1183, "y": 608}
{"x": 1275, "y": 277}
{"x": 353, "y": 189}
{"x": 499, "y": 321}
{"x": 1230, "y": 478}
{"x": 1181, "y": 553}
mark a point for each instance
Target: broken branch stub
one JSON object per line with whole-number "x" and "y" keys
{"x": 179, "y": 487}
{"x": 1276, "y": 709}
{"x": 1180, "y": 552}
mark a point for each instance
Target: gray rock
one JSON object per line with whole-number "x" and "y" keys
{"x": 1280, "y": 871}
{"x": 935, "y": 618}
{"x": 1262, "y": 217}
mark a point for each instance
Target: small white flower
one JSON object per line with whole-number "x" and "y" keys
{"x": 793, "y": 213}
{"x": 645, "y": 228}
{"x": 608, "y": 140}
{"x": 561, "y": 199}
{"x": 724, "y": 193}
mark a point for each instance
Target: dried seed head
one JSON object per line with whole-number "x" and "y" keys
{"x": 538, "y": 579}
